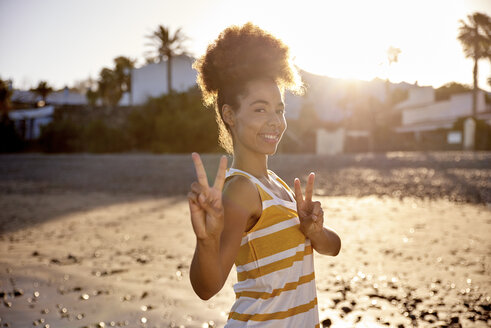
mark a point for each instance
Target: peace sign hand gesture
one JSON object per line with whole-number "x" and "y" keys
{"x": 205, "y": 202}
{"x": 310, "y": 213}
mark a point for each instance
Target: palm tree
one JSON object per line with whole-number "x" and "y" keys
{"x": 123, "y": 65}
{"x": 476, "y": 41}
{"x": 122, "y": 69}
{"x": 108, "y": 87}
{"x": 392, "y": 57}
{"x": 167, "y": 45}
{"x": 112, "y": 83}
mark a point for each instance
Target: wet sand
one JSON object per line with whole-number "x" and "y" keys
{"x": 76, "y": 251}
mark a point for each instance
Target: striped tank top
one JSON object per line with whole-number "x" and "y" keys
{"x": 275, "y": 267}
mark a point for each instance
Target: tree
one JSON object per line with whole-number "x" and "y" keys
{"x": 445, "y": 91}
{"x": 113, "y": 82}
{"x": 5, "y": 94}
{"x": 166, "y": 46}
{"x": 392, "y": 57}
{"x": 83, "y": 85}
{"x": 92, "y": 97}
{"x": 476, "y": 42}
{"x": 122, "y": 68}
{"x": 10, "y": 141}
{"x": 43, "y": 89}
{"x": 108, "y": 89}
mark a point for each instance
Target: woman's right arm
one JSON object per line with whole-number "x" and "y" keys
{"x": 219, "y": 219}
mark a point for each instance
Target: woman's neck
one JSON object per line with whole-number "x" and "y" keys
{"x": 253, "y": 163}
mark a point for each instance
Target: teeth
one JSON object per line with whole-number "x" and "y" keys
{"x": 270, "y": 136}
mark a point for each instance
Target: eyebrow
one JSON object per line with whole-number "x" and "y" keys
{"x": 261, "y": 101}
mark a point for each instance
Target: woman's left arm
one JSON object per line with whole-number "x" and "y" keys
{"x": 324, "y": 240}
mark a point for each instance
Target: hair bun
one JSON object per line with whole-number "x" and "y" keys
{"x": 241, "y": 53}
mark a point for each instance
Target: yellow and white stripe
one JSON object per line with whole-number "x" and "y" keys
{"x": 275, "y": 267}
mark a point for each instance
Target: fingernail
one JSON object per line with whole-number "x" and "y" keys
{"x": 202, "y": 197}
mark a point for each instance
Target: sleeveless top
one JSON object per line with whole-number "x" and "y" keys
{"x": 275, "y": 267}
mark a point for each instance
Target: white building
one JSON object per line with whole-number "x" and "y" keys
{"x": 151, "y": 80}
{"x": 420, "y": 112}
{"x": 62, "y": 97}
{"x": 28, "y": 122}
{"x": 66, "y": 97}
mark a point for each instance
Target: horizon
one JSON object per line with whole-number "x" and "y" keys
{"x": 52, "y": 44}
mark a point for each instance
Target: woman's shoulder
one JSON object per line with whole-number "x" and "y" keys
{"x": 239, "y": 184}
{"x": 242, "y": 190}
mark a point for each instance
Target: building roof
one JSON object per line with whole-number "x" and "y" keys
{"x": 22, "y": 114}
{"x": 63, "y": 97}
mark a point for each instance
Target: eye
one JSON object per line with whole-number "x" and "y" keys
{"x": 260, "y": 110}
{"x": 280, "y": 111}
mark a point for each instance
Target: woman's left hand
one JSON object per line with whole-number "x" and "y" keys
{"x": 310, "y": 213}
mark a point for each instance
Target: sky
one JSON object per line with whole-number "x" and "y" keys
{"x": 65, "y": 41}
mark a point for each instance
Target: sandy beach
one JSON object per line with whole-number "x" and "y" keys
{"x": 106, "y": 240}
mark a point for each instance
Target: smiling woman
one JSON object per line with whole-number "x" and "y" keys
{"x": 250, "y": 216}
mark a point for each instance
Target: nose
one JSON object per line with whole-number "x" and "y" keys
{"x": 274, "y": 120}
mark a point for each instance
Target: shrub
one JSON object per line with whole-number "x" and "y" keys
{"x": 10, "y": 141}
{"x": 174, "y": 123}
{"x": 63, "y": 136}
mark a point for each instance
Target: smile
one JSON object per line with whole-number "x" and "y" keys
{"x": 270, "y": 138}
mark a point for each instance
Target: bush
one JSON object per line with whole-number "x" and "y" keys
{"x": 98, "y": 137}
{"x": 10, "y": 141}
{"x": 62, "y": 136}
{"x": 174, "y": 123}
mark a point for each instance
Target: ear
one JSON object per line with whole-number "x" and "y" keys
{"x": 228, "y": 115}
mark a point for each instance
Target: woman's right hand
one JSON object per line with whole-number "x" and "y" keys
{"x": 205, "y": 202}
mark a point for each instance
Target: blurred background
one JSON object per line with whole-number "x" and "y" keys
{"x": 100, "y": 111}
{"x": 95, "y": 77}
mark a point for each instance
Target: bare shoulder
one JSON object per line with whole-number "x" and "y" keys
{"x": 239, "y": 190}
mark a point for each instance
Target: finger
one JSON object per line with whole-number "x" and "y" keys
{"x": 207, "y": 205}
{"x": 220, "y": 179}
{"x": 192, "y": 196}
{"x": 194, "y": 206}
{"x": 197, "y": 188}
{"x": 298, "y": 191}
{"x": 200, "y": 170}
{"x": 316, "y": 211}
{"x": 309, "y": 190}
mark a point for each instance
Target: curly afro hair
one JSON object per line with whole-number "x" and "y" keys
{"x": 238, "y": 55}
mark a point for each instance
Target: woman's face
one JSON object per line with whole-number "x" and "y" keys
{"x": 260, "y": 121}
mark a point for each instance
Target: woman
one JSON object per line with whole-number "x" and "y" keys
{"x": 250, "y": 216}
